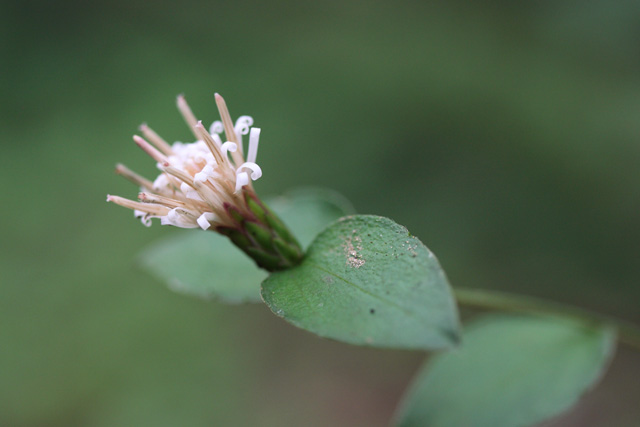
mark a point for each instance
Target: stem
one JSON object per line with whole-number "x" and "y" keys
{"x": 628, "y": 333}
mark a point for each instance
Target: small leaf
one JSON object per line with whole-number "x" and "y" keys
{"x": 509, "y": 371}
{"x": 207, "y": 265}
{"x": 365, "y": 280}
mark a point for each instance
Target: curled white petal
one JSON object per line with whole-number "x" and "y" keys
{"x": 204, "y": 220}
{"x": 216, "y": 127}
{"x": 243, "y": 124}
{"x": 216, "y": 138}
{"x": 204, "y": 174}
{"x": 194, "y": 195}
{"x": 256, "y": 172}
{"x": 228, "y": 146}
{"x": 178, "y": 217}
{"x": 190, "y": 193}
{"x": 242, "y": 179}
{"x": 254, "y": 138}
{"x": 143, "y": 216}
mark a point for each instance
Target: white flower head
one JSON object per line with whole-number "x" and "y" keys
{"x": 200, "y": 182}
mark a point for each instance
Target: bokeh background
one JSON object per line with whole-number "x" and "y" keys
{"x": 506, "y": 135}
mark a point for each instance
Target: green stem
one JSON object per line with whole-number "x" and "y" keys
{"x": 628, "y": 333}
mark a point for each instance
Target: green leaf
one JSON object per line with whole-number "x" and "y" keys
{"x": 509, "y": 371}
{"x": 365, "y": 280}
{"x": 307, "y": 211}
{"x": 205, "y": 264}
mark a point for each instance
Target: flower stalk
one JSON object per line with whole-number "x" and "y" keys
{"x": 628, "y": 333}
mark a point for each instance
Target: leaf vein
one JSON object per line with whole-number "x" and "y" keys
{"x": 361, "y": 289}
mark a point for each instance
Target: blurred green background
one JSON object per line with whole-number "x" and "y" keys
{"x": 506, "y": 135}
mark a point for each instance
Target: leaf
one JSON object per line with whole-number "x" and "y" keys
{"x": 365, "y": 280}
{"x": 307, "y": 211}
{"x": 208, "y": 265}
{"x": 509, "y": 371}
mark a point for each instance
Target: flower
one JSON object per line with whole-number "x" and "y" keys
{"x": 208, "y": 184}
